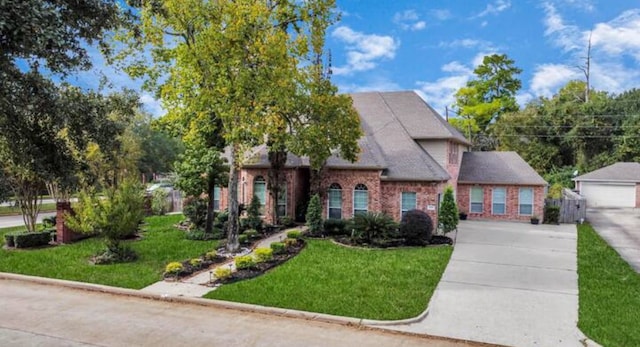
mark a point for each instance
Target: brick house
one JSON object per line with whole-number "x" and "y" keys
{"x": 409, "y": 154}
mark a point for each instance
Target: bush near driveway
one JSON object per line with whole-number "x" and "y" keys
{"x": 609, "y": 292}
{"x": 362, "y": 283}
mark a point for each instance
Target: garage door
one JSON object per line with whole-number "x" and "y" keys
{"x": 609, "y": 195}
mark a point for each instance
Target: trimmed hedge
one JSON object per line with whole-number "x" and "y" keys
{"x": 336, "y": 227}
{"x": 28, "y": 240}
{"x": 551, "y": 214}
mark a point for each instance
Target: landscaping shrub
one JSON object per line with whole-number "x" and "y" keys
{"x": 314, "y": 215}
{"x": 27, "y": 240}
{"x": 263, "y": 254}
{"x": 173, "y": 268}
{"x": 159, "y": 202}
{"x": 336, "y": 227}
{"x": 195, "y": 209}
{"x": 195, "y": 262}
{"x": 115, "y": 217}
{"x": 289, "y": 242}
{"x": 251, "y": 233}
{"x": 221, "y": 219}
{"x": 294, "y": 234}
{"x": 416, "y": 227}
{"x": 222, "y": 273}
{"x": 244, "y": 262}
{"x": 112, "y": 255}
{"x": 243, "y": 239}
{"x": 555, "y": 191}
{"x": 448, "y": 217}
{"x": 8, "y": 240}
{"x": 48, "y": 222}
{"x": 551, "y": 214}
{"x": 210, "y": 255}
{"x": 373, "y": 225}
{"x": 286, "y": 221}
{"x": 277, "y": 247}
{"x": 253, "y": 220}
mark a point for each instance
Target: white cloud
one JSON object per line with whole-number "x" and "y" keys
{"x": 440, "y": 94}
{"x": 585, "y": 5}
{"x": 364, "y": 51}
{"x": 441, "y": 14}
{"x": 619, "y": 36}
{"x": 494, "y": 8}
{"x": 548, "y": 78}
{"x": 377, "y": 83}
{"x": 409, "y": 20}
{"x": 566, "y": 36}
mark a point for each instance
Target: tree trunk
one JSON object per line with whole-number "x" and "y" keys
{"x": 27, "y": 196}
{"x": 208, "y": 226}
{"x": 232, "y": 199}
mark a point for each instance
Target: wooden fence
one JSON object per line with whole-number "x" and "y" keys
{"x": 573, "y": 207}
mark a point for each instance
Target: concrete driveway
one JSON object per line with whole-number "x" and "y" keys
{"x": 508, "y": 283}
{"x": 620, "y": 227}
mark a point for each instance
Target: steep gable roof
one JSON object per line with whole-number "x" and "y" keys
{"x": 420, "y": 120}
{"x": 404, "y": 159}
{"x": 618, "y": 172}
{"x": 497, "y": 168}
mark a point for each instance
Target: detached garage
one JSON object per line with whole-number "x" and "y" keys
{"x": 617, "y": 185}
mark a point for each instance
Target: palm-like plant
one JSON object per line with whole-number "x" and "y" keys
{"x": 371, "y": 225}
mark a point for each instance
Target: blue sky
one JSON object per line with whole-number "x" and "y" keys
{"x": 432, "y": 46}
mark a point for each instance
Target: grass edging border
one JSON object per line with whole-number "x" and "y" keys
{"x": 322, "y": 317}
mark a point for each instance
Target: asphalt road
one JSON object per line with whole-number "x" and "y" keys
{"x": 44, "y": 315}
{"x": 12, "y": 221}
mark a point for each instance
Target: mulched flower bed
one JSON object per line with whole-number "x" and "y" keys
{"x": 390, "y": 243}
{"x": 189, "y": 269}
{"x": 261, "y": 268}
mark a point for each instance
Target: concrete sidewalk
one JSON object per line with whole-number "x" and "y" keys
{"x": 508, "y": 283}
{"x": 196, "y": 286}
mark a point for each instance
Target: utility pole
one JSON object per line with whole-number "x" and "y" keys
{"x": 586, "y": 70}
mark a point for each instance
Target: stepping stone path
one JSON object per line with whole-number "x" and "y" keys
{"x": 198, "y": 285}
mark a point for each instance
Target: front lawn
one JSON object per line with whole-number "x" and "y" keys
{"x": 160, "y": 244}
{"x": 609, "y": 292}
{"x": 327, "y": 278}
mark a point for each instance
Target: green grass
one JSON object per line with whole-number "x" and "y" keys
{"x": 326, "y": 278}
{"x": 13, "y": 210}
{"x": 609, "y": 292}
{"x": 160, "y": 244}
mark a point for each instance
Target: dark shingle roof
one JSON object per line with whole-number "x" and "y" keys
{"x": 391, "y": 142}
{"x": 620, "y": 172}
{"x": 497, "y": 168}
{"x": 419, "y": 119}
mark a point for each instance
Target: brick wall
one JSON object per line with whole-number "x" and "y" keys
{"x": 348, "y": 179}
{"x": 512, "y": 201}
{"x": 245, "y": 191}
{"x": 638, "y": 195}
{"x": 426, "y": 195}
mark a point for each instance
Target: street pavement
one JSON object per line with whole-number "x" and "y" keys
{"x": 45, "y": 315}
{"x": 620, "y": 227}
{"x": 13, "y": 221}
{"x": 508, "y": 283}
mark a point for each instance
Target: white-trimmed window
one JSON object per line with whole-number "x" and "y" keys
{"x": 281, "y": 209}
{"x": 360, "y": 199}
{"x": 216, "y": 198}
{"x": 408, "y": 202}
{"x": 260, "y": 190}
{"x": 334, "y": 203}
{"x": 477, "y": 200}
{"x": 498, "y": 200}
{"x": 525, "y": 201}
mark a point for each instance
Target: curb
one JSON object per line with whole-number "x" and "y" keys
{"x": 321, "y": 317}
{"x": 295, "y": 314}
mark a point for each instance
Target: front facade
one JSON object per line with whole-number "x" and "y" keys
{"x": 409, "y": 154}
{"x": 616, "y": 185}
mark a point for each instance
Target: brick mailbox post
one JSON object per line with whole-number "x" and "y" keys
{"x": 63, "y": 233}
